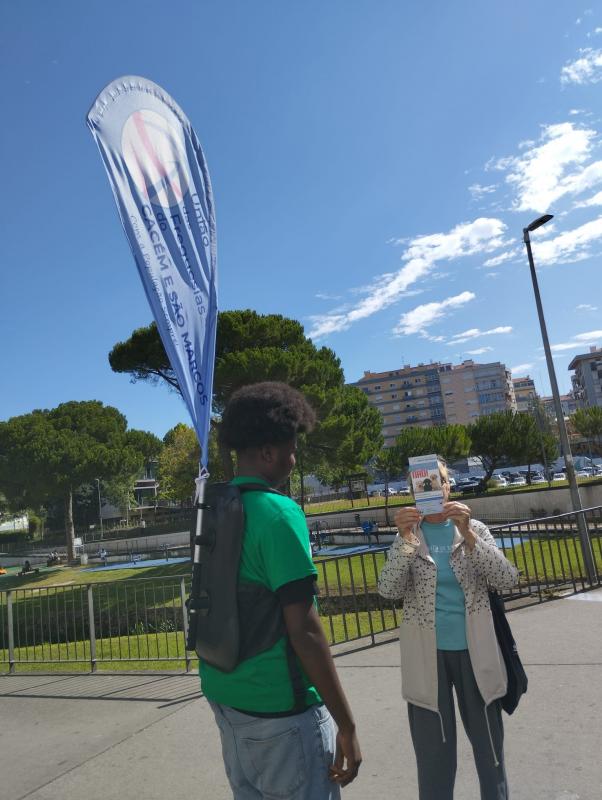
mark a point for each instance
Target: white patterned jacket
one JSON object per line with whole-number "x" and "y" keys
{"x": 410, "y": 573}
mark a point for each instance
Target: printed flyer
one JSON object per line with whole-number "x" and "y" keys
{"x": 426, "y": 483}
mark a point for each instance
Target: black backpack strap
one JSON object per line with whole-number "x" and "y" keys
{"x": 294, "y": 670}
{"x": 257, "y": 487}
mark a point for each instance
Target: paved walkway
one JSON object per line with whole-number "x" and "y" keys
{"x": 115, "y": 737}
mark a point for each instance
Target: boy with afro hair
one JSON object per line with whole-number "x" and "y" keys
{"x": 272, "y": 744}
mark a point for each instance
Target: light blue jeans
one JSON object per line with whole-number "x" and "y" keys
{"x": 283, "y": 758}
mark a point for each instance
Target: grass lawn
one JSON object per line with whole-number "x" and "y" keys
{"x": 166, "y": 651}
{"x": 138, "y": 612}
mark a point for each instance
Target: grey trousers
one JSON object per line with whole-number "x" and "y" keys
{"x": 436, "y": 758}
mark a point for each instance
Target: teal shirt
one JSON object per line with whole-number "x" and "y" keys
{"x": 450, "y": 611}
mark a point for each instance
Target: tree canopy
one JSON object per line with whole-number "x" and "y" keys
{"x": 588, "y": 421}
{"x": 47, "y": 454}
{"x": 178, "y": 464}
{"x": 252, "y": 347}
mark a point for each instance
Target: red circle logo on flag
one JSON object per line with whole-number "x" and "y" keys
{"x": 155, "y": 157}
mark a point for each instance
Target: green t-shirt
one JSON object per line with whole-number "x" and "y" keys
{"x": 275, "y": 551}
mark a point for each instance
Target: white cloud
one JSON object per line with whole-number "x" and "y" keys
{"x": 421, "y": 317}
{"x": 589, "y": 336}
{"x": 566, "y": 346}
{"x": 521, "y": 368}
{"x": 574, "y": 111}
{"x": 476, "y": 333}
{"x": 585, "y": 69}
{"x": 573, "y": 245}
{"x": 324, "y": 296}
{"x": 420, "y": 257}
{"x": 479, "y": 351}
{"x": 507, "y": 255}
{"x": 595, "y": 200}
{"x": 586, "y": 307}
{"x": 552, "y": 168}
{"x": 579, "y": 341}
{"x": 478, "y": 191}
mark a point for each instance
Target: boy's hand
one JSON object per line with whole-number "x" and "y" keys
{"x": 347, "y": 758}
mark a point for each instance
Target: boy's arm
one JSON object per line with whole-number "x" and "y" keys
{"x": 309, "y": 643}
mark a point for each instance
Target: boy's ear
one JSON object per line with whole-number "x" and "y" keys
{"x": 266, "y": 453}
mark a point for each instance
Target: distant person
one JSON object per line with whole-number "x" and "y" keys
{"x": 442, "y": 565}
{"x": 275, "y": 710}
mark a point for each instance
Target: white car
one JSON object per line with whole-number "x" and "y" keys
{"x": 538, "y": 479}
{"x": 559, "y": 476}
{"x": 499, "y": 481}
{"x": 583, "y": 473}
{"x": 518, "y": 482}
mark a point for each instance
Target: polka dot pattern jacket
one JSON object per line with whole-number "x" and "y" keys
{"x": 410, "y": 574}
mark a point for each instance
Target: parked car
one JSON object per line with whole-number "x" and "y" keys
{"x": 518, "y": 481}
{"x": 390, "y": 491}
{"x": 499, "y": 481}
{"x": 452, "y": 483}
{"x": 471, "y": 486}
{"x": 538, "y": 479}
{"x": 583, "y": 473}
{"x": 405, "y": 490}
{"x": 559, "y": 476}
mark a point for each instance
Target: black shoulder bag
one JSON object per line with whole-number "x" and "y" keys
{"x": 517, "y": 677}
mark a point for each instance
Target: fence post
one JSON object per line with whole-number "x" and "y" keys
{"x": 184, "y": 620}
{"x": 11, "y": 632}
{"x": 92, "y": 629}
{"x": 586, "y": 548}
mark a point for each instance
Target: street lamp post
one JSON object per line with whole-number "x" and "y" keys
{"x": 99, "y": 507}
{"x": 564, "y": 439}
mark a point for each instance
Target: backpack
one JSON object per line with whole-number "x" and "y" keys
{"x": 517, "y": 677}
{"x": 230, "y": 621}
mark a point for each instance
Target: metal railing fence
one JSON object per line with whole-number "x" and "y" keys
{"x": 142, "y": 621}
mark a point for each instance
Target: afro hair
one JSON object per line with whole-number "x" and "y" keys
{"x": 264, "y": 413}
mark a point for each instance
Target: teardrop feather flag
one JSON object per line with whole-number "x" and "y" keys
{"x": 162, "y": 189}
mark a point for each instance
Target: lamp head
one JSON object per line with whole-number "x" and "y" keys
{"x": 537, "y": 223}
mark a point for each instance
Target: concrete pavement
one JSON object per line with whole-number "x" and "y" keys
{"x": 128, "y": 736}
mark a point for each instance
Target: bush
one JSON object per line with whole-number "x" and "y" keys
{"x": 36, "y": 525}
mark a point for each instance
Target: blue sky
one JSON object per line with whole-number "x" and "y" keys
{"x": 373, "y": 165}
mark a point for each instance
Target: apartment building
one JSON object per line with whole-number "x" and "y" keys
{"x": 474, "y": 390}
{"x": 409, "y": 396}
{"x": 437, "y": 393}
{"x": 567, "y": 401}
{"x": 587, "y": 378}
{"x": 524, "y": 392}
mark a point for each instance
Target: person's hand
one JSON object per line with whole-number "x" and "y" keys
{"x": 460, "y": 514}
{"x": 347, "y": 759}
{"x": 406, "y": 519}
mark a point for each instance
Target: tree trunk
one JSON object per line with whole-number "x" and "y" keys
{"x": 69, "y": 529}
{"x": 227, "y": 464}
{"x": 387, "y": 503}
{"x": 301, "y": 476}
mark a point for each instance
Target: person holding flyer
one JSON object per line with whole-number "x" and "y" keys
{"x": 441, "y": 564}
